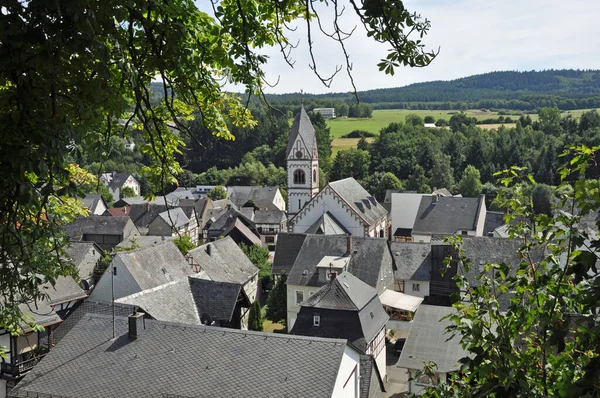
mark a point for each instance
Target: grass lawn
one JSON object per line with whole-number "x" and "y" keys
{"x": 271, "y": 327}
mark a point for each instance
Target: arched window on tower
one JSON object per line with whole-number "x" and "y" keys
{"x": 299, "y": 177}
{"x": 314, "y": 175}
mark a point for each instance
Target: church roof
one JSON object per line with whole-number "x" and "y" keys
{"x": 303, "y": 128}
{"x": 327, "y": 224}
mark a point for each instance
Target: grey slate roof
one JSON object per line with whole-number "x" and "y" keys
{"x": 263, "y": 197}
{"x": 327, "y": 224}
{"x": 412, "y": 261}
{"x": 40, "y": 311}
{"x": 65, "y": 289}
{"x": 176, "y": 217}
{"x": 116, "y": 179}
{"x": 84, "y": 256}
{"x": 227, "y": 219}
{"x": 225, "y": 263}
{"x": 269, "y": 217}
{"x": 303, "y": 128}
{"x": 97, "y": 225}
{"x": 428, "y": 341}
{"x": 138, "y": 242}
{"x": 142, "y": 214}
{"x": 361, "y": 201}
{"x": 91, "y": 201}
{"x": 446, "y": 216}
{"x": 370, "y": 260}
{"x": 217, "y": 299}
{"x": 287, "y": 249}
{"x": 493, "y": 220}
{"x": 346, "y": 292}
{"x": 182, "y": 360}
{"x": 148, "y": 265}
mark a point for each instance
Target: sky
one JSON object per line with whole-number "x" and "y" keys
{"x": 474, "y": 36}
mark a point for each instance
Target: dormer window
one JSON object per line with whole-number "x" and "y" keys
{"x": 317, "y": 320}
{"x": 299, "y": 177}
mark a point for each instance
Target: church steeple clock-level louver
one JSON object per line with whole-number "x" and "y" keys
{"x": 302, "y": 163}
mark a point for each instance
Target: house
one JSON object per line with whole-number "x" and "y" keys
{"x": 269, "y": 223}
{"x": 346, "y": 308}
{"x": 175, "y": 222}
{"x": 286, "y": 251}
{"x": 195, "y": 301}
{"x": 85, "y": 256}
{"x": 493, "y": 221}
{"x": 224, "y": 261}
{"x": 348, "y": 206}
{"x": 150, "y": 358}
{"x": 269, "y": 198}
{"x": 118, "y": 211}
{"x": 231, "y": 223}
{"x": 322, "y": 256}
{"x": 117, "y": 181}
{"x": 445, "y": 216}
{"x": 141, "y": 269}
{"x": 412, "y": 267}
{"x": 428, "y": 341}
{"x": 94, "y": 204}
{"x": 106, "y": 232}
{"x": 302, "y": 159}
{"x": 327, "y": 113}
{"x": 405, "y": 206}
{"x": 430, "y": 125}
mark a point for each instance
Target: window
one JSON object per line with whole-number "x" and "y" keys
{"x": 464, "y": 233}
{"x": 299, "y": 297}
{"x": 299, "y": 204}
{"x": 416, "y": 287}
{"x": 299, "y": 177}
{"x": 314, "y": 175}
{"x": 317, "y": 320}
{"x": 381, "y": 234}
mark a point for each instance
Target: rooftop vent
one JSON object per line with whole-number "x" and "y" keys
{"x": 305, "y": 272}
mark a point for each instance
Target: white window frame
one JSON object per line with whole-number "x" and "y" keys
{"x": 296, "y": 297}
{"x": 316, "y": 320}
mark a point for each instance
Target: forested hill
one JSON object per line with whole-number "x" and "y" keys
{"x": 567, "y": 89}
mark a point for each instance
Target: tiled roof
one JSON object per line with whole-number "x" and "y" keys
{"x": 446, "y": 216}
{"x": 224, "y": 261}
{"x": 361, "y": 201}
{"x": 412, "y": 260}
{"x": 97, "y": 225}
{"x": 327, "y": 224}
{"x": 428, "y": 341}
{"x": 304, "y": 129}
{"x": 287, "y": 249}
{"x": 182, "y": 360}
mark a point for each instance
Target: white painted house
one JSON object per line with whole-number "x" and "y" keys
{"x": 117, "y": 181}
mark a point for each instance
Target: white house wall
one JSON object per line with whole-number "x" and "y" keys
{"x": 481, "y": 219}
{"x": 124, "y": 282}
{"x": 347, "y": 383}
{"x": 278, "y": 200}
{"x": 405, "y": 207}
{"x": 326, "y": 201}
{"x": 292, "y": 308}
{"x": 423, "y": 288}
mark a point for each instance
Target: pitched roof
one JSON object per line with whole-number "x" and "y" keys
{"x": 447, "y": 215}
{"x": 138, "y": 242}
{"x": 97, "y": 225}
{"x": 286, "y": 250}
{"x": 345, "y": 292}
{"x": 370, "y": 260}
{"x": 182, "y": 360}
{"x": 263, "y": 197}
{"x": 412, "y": 260}
{"x": 142, "y": 214}
{"x": 224, "y": 261}
{"x": 91, "y": 201}
{"x": 115, "y": 180}
{"x": 175, "y": 218}
{"x": 65, "y": 289}
{"x": 304, "y": 129}
{"x": 327, "y": 224}
{"x": 84, "y": 256}
{"x": 361, "y": 201}
{"x": 217, "y": 299}
{"x": 493, "y": 220}
{"x": 269, "y": 217}
{"x": 153, "y": 266}
{"x": 119, "y": 211}
{"x": 428, "y": 341}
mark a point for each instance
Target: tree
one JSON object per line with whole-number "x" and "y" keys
{"x": 277, "y": 301}
{"x": 418, "y": 181}
{"x": 251, "y": 203}
{"x": 217, "y": 193}
{"x": 259, "y": 255}
{"x": 442, "y": 175}
{"x": 350, "y": 163}
{"x": 69, "y": 72}
{"x": 429, "y": 119}
{"x": 470, "y": 184}
{"x": 184, "y": 244}
{"x": 127, "y": 192}
{"x": 542, "y": 197}
{"x": 414, "y": 119}
{"x": 255, "y": 321}
{"x": 544, "y": 342}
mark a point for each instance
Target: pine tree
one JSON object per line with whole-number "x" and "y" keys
{"x": 277, "y": 301}
{"x": 255, "y": 322}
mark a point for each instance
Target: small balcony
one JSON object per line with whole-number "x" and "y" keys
{"x": 21, "y": 365}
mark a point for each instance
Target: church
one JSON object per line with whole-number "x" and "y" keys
{"x": 342, "y": 207}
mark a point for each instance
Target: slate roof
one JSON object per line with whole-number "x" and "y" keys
{"x": 148, "y": 265}
{"x": 138, "y": 242}
{"x": 91, "y": 201}
{"x": 361, "y": 201}
{"x": 346, "y": 292}
{"x": 182, "y": 360}
{"x": 84, "y": 256}
{"x": 370, "y": 260}
{"x": 303, "y": 128}
{"x": 327, "y": 224}
{"x": 217, "y": 299}
{"x": 227, "y": 219}
{"x": 412, "y": 261}
{"x": 65, "y": 289}
{"x": 286, "y": 250}
{"x": 115, "y": 180}
{"x": 428, "y": 341}
{"x": 225, "y": 263}
{"x": 446, "y": 216}
{"x": 262, "y": 196}
{"x": 97, "y": 225}
{"x": 269, "y": 217}
{"x": 142, "y": 214}
{"x": 493, "y": 220}
{"x": 176, "y": 218}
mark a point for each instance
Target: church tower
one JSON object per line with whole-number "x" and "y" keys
{"x": 302, "y": 163}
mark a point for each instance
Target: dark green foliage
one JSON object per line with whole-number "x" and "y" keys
{"x": 127, "y": 192}
{"x": 217, "y": 193}
{"x": 542, "y": 197}
{"x": 470, "y": 185}
{"x": 418, "y": 181}
{"x": 255, "y": 321}
{"x": 277, "y": 301}
{"x": 359, "y": 134}
{"x": 259, "y": 255}
{"x": 429, "y": 119}
{"x": 323, "y": 141}
{"x": 378, "y": 183}
{"x": 251, "y": 203}
{"x": 350, "y": 163}
{"x": 184, "y": 244}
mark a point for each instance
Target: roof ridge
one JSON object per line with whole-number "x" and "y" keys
{"x": 151, "y": 290}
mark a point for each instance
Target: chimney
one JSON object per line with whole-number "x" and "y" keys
{"x": 435, "y": 198}
{"x": 208, "y": 249}
{"x": 349, "y": 245}
{"x": 136, "y": 325}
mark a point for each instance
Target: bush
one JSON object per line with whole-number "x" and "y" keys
{"x": 255, "y": 321}
{"x": 359, "y": 134}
